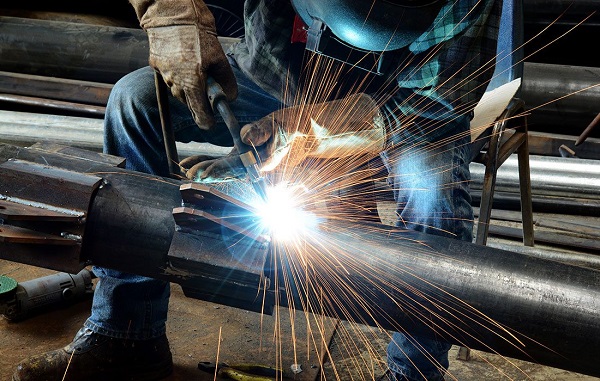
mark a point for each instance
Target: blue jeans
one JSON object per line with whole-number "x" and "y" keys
{"x": 431, "y": 188}
{"x": 131, "y": 306}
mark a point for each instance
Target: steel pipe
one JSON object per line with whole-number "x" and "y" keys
{"x": 106, "y": 53}
{"x": 86, "y": 52}
{"x": 550, "y": 176}
{"x": 71, "y": 50}
{"x": 476, "y": 296}
{"x": 555, "y": 94}
{"x": 432, "y": 285}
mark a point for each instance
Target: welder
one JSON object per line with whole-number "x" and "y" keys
{"x": 423, "y": 66}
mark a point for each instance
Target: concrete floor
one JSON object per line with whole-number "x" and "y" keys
{"x": 202, "y": 331}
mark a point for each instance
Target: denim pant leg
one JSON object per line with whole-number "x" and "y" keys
{"x": 127, "y": 305}
{"x": 431, "y": 187}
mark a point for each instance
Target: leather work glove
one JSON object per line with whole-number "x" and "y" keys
{"x": 185, "y": 50}
{"x": 219, "y": 167}
{"x": 334, "y": 129}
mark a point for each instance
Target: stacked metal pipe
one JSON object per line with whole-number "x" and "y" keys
{"x": 550, "y": 176}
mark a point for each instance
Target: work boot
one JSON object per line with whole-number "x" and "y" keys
{"x": 92, "y": 356}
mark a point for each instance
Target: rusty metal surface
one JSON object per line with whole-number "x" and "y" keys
{"x": 79, "y": 154}
{"x": 12, "y": 211}
{"x": 43, "y": 211}
{"x": 44, "y": 184}
{"x": 14, "y": 234}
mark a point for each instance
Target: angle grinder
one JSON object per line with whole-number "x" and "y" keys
{"x": 20, "y": 300}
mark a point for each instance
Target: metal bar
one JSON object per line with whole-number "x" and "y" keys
{"x": 53, "y": 104}
{"x": 590, "y": 244}
{"x": 588, "y": 130}
{"x": 489, "y": 182}
{"x": 162, "y": 97}
{"x": 510, "y": 146}
{"x": 69, "y": 90}
{"x": 525, "y": 187}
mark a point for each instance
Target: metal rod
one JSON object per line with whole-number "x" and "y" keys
{"x": 69, "y": 90}
{"x": 53, "y": 104}
{"x": 162, "y": 97}
{"x": 588, "y": 130}
{"x": 525, "y": 189}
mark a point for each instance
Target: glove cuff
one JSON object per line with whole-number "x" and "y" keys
{"x": 158, "y": 13}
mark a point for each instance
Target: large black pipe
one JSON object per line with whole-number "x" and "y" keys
{"x": 569, "y": 12}
{"x": 458, "y": 291}
{"x": 71, "y": 50}
{"x": 495, "y": 300}
{"x": 106, "y": 53}
{"x": 555, "y": 94}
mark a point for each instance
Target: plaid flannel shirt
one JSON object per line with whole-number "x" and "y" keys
{"x": 438, "y": 78}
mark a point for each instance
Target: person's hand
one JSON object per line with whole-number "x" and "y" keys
{"x": 201, "y": 167}
{"x": 339, "y": 128}
{"x": 334, "y": 129}
{"x": 185, "y": 55}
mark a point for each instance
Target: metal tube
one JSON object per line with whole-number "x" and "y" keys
{"x": 550, "y": 176}
{"x": 542, "y": 311}
{"x": 71, "y": 50}
{"x": 576, "y": 259}
{"x": 433, "y": 285}
{"x": 555, "y": 94}
{"x": 168, "y": 134}
{"x": 53, "y": 104}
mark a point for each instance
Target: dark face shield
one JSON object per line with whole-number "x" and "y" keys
{"x": 359, "y": 31}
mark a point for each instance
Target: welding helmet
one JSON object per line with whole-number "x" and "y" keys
{"x": 339, "y": 28}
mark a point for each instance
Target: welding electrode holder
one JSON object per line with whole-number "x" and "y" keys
{"x": 218, "y": 102}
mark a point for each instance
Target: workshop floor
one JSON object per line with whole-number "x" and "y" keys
{"x": 201, "y": 331}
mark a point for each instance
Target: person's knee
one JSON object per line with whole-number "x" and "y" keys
{"x": 133, "y": 91}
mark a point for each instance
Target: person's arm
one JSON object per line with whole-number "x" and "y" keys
{"x": 349, "y": 126}
{"x": 184, "y": 48}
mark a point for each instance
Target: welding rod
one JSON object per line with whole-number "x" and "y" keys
{"x": 588, "y": 130}
{"x": 162, "y": 91}
{"x": 218, "y": 101}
